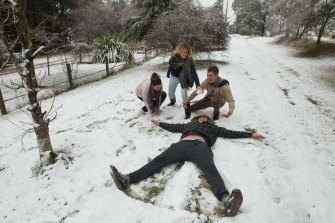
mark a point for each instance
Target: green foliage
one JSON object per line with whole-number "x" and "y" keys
{"x": 250, "y": 16}
{"x": 136, "y": 28}
{"x": 113, "y": 46}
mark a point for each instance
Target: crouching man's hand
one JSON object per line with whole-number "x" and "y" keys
{"x": 228, "y": 114}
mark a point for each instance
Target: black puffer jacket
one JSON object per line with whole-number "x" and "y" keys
{"x": 209, "y": 131}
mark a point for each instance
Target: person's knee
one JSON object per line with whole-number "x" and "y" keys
{"x": 216, "y": 102}
{"x": 163, "y": 96}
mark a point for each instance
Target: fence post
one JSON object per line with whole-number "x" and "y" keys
{"x": 107, "y": 65}
{"x": 145, "y": 53}
{"x": 69, "y": 75}
{"x": 2, "y": 105}
{"x": 48, "y": 63}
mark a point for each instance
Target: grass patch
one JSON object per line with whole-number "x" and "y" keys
{"x": 313, "y": 101}
{"x": 194, "y": 204}
{"x": 37, "y": 169}
{"x": 251, "y": 130}
{"x": 158, "y": 185}
{"x": 324, "y": 50}
{"x": 308, "y": 48}
{"x": 285, "y": 91}
{"x": 150, "y": 192}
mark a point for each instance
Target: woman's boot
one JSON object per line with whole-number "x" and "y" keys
{"x": 172, "y": 102}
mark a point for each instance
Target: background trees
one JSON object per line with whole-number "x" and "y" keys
{"x": 95, "y": 18}
{"x": 250, "y": 16}
{"x": 293, "y": 17}
{"x": 204, "y": 30}
{"x": 137, "y": 27}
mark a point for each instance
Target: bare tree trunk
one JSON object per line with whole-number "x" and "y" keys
{"x": 48, "y": 64}
{"x": 41, "y": 123}
{"x": 302, "y": 32}
{"x": 327, "y": 14}
{"x": 321, "y": 31}
{"x": 297, "y": 33}
{"x": 2, "y": 105}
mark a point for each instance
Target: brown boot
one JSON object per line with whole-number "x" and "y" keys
{"x": 234, "y": 203}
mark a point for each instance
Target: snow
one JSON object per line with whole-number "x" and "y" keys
{"x": 289, "y": 177}
{"x": 230, "y": 12}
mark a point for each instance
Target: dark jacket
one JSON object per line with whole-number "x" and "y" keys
{"x": 209, "y": 131}
{"x": 175, "y": 71}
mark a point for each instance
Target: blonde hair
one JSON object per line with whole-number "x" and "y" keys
{"x": 182, "y": 47}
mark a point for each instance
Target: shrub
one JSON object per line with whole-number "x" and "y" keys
{"x": 113, "y": 46}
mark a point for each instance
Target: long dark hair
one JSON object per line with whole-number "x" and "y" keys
{"x": 155, "y": 79}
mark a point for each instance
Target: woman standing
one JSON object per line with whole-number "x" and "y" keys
{"x": 152, "y": 94}
{"x": 181, "y": 70}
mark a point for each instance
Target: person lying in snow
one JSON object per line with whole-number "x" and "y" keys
{"x": 195, "y": 146}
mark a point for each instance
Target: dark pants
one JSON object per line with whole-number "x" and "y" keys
{"x": 194, "y": 151}
{"x": 163, "y": 96}
{"x": 207, "y": 102}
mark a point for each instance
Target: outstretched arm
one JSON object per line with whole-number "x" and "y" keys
{"x": 226, "y": 133}
{"x": 169, "y": 127}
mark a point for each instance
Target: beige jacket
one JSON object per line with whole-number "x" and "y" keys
{"x": 224, "y": 93}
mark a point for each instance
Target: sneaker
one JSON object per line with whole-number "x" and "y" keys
{"x": 141, "y": 113}
{"x": 233, "y": 204}
{"x": 120, "y": 180}
{"x": 216, "y": 116}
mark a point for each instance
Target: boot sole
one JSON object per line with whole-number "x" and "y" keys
{"x": 235, "y": 203}
{"x": 113, "y": 174}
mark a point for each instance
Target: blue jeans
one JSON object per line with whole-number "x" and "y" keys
{"x": 173, "y": 83}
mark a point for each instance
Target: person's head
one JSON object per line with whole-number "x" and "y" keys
{"x": 183, "y": 50}
{"x": 212, "y": 74}
{"x": 156, "y": 82}
{"x": 203, "y": 118}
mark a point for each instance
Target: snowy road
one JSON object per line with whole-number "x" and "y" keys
{"x": 288, "y": 102}
{"x": 287, "y": 178}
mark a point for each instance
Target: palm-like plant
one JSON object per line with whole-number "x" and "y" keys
{"x": 113, "y": 46}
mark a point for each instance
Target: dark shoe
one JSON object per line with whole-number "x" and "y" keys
{"x": 233, "y": 204}
{"x": 216, "y": 116}
{"x": 187, "y": 115}
{"x": 121, "y": 180}
{"x": 172, "y": 102}
{"x": 188, "y": 111}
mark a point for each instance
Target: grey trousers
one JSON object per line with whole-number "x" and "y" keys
{"x": 194, "y": 151}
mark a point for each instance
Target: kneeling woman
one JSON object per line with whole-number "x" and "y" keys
{"x": 152, "y": 94}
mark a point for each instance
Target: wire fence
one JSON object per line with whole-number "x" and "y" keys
{"x": 55, "y": 84}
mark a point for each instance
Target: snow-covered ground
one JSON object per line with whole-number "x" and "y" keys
{"x": 57, "y": 81}
{"x": 289, "y": 177}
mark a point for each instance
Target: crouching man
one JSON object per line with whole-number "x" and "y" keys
{"x": 218, "y": 93}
